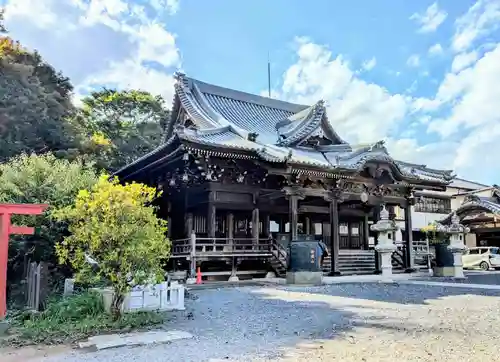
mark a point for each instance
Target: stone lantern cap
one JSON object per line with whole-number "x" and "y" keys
{"x": 384, "y": 224}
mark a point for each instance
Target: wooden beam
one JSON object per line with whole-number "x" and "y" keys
{"x": 23, "y": 209}
{"x": 22, "y": 230}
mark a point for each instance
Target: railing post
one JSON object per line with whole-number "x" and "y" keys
{"x": 192, "y": 272}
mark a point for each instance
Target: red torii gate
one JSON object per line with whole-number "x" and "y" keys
{"x": 6, "y": 229}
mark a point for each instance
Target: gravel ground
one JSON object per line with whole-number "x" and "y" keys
{"x": 347, "y": 322}
{"x": 472, "y": 277}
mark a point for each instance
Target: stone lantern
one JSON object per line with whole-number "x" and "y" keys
{"x": 457, "y": 246}
{"x": 385, "y": 247}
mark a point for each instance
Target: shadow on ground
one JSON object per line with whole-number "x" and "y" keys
{"x": 271, "y": 323}
{"x": 391, "y": 292}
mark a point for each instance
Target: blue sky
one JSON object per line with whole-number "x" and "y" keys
{"x": 422, "y": 75}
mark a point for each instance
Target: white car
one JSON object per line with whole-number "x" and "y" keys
{"x": 484, "y": 258}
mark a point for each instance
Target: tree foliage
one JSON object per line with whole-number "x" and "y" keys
{"x": 47, "y": 180}
{"x": 35, "y": 102}
{"x": 122, "y": 125}
{"x": 2, "y": 26}
{"x": 114, "y": 225}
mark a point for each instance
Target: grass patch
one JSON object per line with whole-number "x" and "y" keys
{"x": 74, "y": 318}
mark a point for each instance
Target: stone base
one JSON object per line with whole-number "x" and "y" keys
{"x": 4, "y": 327}
{"x": 448, "y": 271}
{"x": 233, "y": 278}
{"x": 270, "y": 274}
{"x": 334, "y": 274}
{"x": 304, "y": 277}
{"x": 191, "y": 281}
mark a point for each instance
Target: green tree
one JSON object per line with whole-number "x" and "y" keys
{"x": 2, "y": 26}
{"x": 115, "y": 225}
{"x": 47, "y": 180}
{"x": 35, "y": 102}
{"x": 131, "y": 122}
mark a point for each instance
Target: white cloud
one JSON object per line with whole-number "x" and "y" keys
{"x": 463, "y": 60}
{"x": 361, "y": 111}
{"x": 171, "y": 6}
{"x": 431, "y": 19}
{"x": 413, "y": 61}
{"x": 369, "y": 64}
{"x": 43, "y": 14}
{"x": 440, "y": 155}
{"x": 479, "y": 21}
{"x": 149, "y": 40}
{"x": 435, "y": 50}
{"x": 132, "y": 74}
{"x": 473, "y": 94}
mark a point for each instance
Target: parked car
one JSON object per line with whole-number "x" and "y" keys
{"x": 484, "y": 258}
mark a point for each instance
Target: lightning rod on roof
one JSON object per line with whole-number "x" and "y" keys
{"x": 268, "y": 75}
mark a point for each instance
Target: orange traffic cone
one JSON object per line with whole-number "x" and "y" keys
{"x": 198, "y": 275}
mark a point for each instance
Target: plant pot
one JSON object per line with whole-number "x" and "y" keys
{"x": 444, "y": 261}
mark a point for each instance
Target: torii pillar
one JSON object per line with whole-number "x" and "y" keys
{"x": 7, "y": 229}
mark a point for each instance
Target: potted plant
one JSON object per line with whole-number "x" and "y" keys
{"x": 440, "y": 241}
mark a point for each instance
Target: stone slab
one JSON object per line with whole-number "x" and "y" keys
{"x": 133, "y": 339}
{"x": 4, "y": 327}
{"x": 304, "y": 278}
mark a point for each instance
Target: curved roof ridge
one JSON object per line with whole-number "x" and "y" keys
{"x": 190, "y": 106}
{"x": 216, "y": 115}
{"x": 247, "y": 97}
{"x": 309, "y": 123}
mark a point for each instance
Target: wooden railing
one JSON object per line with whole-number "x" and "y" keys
{"x": 398, "y": 256}
{"x": 181, "y": 247}
{"x": 279, "y": 253}
{"x": 220, "y": 247}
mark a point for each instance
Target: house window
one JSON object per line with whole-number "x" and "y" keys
{"x": 433, "y": 204}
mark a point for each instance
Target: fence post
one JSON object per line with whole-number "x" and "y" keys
{"x": 192, "y": 272}
{"x": 37, "y": 286}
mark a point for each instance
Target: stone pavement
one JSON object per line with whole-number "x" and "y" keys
{"x": 98, "y": 343}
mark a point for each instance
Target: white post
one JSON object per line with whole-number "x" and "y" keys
{"x": 385, "y": 246}
{"x": 192, "y": 273}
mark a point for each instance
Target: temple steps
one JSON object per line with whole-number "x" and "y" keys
{"x": 353, "y": 262}
{"x": 278, "y": 267}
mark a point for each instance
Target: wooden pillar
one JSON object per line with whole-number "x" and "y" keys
{"x": 189, "y": 224}
{"x": 307, "y": 226}
{"x": 366, "y": 232}
{"x": 376, "y": 217}
{"x": 255, "y": 226}
{"x": 282, "y": 224}
{"x": 211, "y": 213}
{"x": 294, "y": 216}
{"x": 266, "y": 225}
{"x": 334, "y": 236}
{"x": 409, "y": 260}
{"x": 230, "y": 229}
{"x": 169, "y": 219}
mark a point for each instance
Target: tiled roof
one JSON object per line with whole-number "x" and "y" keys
{"x": 226, "y": 118}
{"x": 474, "y": 205}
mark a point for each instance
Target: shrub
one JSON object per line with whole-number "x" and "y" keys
{"x": 114, "y": 225}
{"x": 40, "y": 179}
{"x": 73, "y": 318}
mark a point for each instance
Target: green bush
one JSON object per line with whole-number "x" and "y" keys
{"x": 74, "y": 318}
